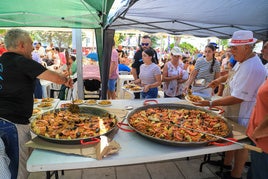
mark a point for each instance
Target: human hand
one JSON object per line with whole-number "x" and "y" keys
{"x": 146, "y": 88}
{"x": 213, "y": 84}
{"x": 69, "y": 83}
{"x": 201, "y": 103}
{"x": 186, "y": 89}
{"x": 137, "y": 81}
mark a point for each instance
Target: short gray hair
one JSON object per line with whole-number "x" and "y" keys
{"x": 14, "y": 36}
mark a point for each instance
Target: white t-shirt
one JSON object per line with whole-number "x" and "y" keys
{"x": 266, "y": 67}
{"x": 246, "y": 81}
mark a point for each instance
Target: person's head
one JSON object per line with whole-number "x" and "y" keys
{"x": 148, "y": 56}
{"x": 210, "y": 55}
{"x": 176, "y": 54}
{"x": 145, "y": 42}
{"x": 215, "y": 45}
{"x": 210, "y": 51}
{"x": 120, "y": 47}
{"x": 71, "y": 59}
{"x": 264, "y": 50}
{"x": 242, "y": 44}
{"x": 57, "y": 49}
{"x": 37, "y": 46}
{"x": 19, "y": 41}
{"x": 228, "y": 53}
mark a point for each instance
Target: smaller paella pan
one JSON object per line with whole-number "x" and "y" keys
{"x": 178, "y": 124}
{"x": 63, "y": 127}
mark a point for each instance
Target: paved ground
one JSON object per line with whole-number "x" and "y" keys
{"x": 173, "y": 169}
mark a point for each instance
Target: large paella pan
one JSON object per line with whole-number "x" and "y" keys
{"x": 62, "y": 126}
{"x": 178, "y": 124}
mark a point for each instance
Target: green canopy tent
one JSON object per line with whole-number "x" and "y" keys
{"x": 74, "y": 14}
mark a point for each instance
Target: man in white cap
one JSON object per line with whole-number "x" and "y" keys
{"x": 240, "y": 94}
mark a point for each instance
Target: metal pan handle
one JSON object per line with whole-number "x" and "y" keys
{"x": 93, "y": 141}
{"x": 147, "y": 102}
{"x": 225, "y": 143}
{"x": 120, "y": 126}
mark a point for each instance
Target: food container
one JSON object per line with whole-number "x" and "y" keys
{"x": 82, "y": 125}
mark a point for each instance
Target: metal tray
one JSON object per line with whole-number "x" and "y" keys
{"x": 87, "y": 110}
{"x": 175, "y": 106}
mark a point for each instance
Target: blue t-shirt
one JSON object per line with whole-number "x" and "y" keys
{"x": 123, "y": 67}
{"x": 232, "y": 61}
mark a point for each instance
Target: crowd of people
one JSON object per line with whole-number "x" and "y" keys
{"x": 237, "y": 74}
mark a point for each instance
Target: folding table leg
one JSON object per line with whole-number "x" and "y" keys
{"x": 49, "y": 175}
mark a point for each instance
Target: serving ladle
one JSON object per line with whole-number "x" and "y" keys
{"x": 73, "y": 108}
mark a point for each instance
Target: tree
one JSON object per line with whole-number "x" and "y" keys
{"x": 154, "y": 40}
{"x": 186, "y": 47}
{"x": 224, "y": 43}
{"x": 61, "y": 39}
{"x": 119, "y": 38}
{"x": 2, "y": 33}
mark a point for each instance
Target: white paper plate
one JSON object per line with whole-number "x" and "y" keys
{"x": 187, "y": 98}
{"x": 104, "y": 105}
{"x": 92, "y": 102}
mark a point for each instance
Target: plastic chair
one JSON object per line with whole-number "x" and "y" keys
{"x": 92, "y": 89}
{"x": 124, "y": 73}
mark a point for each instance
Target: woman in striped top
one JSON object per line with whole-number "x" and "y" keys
{"x": 207, "y": 68}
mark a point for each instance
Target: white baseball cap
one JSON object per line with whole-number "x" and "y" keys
{"x": 176, "y": 51}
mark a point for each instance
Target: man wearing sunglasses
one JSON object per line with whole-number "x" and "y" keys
{"x": 145, "y": 44}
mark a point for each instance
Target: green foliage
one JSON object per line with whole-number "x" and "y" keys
{"x": 154, "y": 40}
{"x": 119, "y": 38}
{"x": 59, "y": 38}
{"x": 224, "y": 43}
{"x": 186, "y": 47}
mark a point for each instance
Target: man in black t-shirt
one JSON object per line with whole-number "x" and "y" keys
{"x": 145, "y": 44}
{"x": 18, "y": 72}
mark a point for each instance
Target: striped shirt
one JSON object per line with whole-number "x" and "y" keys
{"x": 203, "y": 68}
{"x": 148, "y": 73}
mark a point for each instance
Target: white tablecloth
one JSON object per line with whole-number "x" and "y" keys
{"x": 134, "y": 149}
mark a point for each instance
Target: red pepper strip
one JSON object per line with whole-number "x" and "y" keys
{"x": 146, "y": 102}
{"x": 120, "y": 124}
{"x": 93, "y": 141}
{"x": 225, "y": 143}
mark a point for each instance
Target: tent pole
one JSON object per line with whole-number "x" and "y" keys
{"x": 106, "y": 59}
{"x": 77, "y": 42}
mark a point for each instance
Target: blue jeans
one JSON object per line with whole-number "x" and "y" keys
{"x": 152, "y": 93}
{"x": 38, "y": 91}
{"x": 259, "y": 163}
{"x": 111, "y": 84}
{"x": 8, "y": 133}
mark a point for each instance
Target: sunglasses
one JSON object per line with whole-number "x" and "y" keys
{"x": 176, "y": 56}
{"x": 144, "y": 44}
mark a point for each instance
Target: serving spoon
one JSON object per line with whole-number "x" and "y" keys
{"x": 73, "y": 108}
